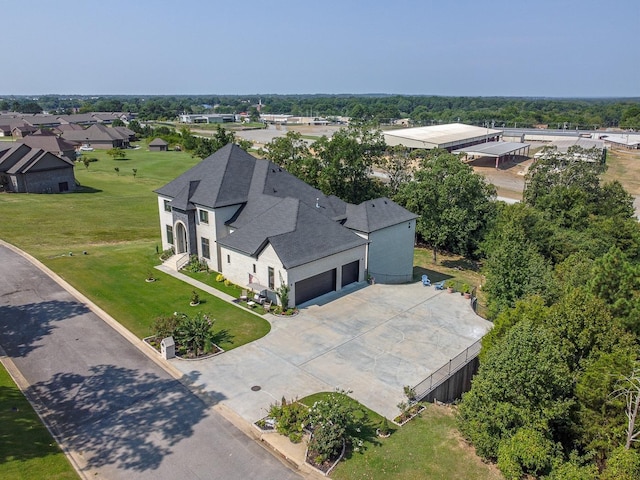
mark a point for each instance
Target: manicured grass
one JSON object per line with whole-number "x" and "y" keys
{"x": 27, "y": 450}
{"x": 113, "y": 276}
{"x": 429, "y": 446}
{"x": 116, "y": 223}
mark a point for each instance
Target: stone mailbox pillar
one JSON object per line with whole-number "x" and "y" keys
{"x": 168, "y": 348}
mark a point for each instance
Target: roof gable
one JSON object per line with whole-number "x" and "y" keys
{"x": 224, "y": 179}
{"x": 373, "y": 215}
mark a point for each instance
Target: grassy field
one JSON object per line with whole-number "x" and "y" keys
{"x": 115, "y": 220}
{"x": 624, "y": 166}
{"x": 429, "y": 446}
{"x": 27, "y": 450}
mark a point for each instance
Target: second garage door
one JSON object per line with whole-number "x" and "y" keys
{"x": 315, "y": 286}
{"x": 350, "y": 273}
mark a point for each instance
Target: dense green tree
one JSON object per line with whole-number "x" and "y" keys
{"x": 346, "y": 160}
{"x": 623, "y": 464}
{"x": 523, "y": 382}
{"x": 454, "y": 204}
{"x": 290, "y": 152}
{"x": 117, "y": 123}
{"x": 601, "y": 422}
{"x": 617, "y": 282}
{"x": 515, "y": 269}
{"x": 573, "y": 172}
{"x": 528, "y": 451}
{"x": 396, "y": 164}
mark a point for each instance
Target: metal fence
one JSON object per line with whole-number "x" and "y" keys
{"x": 445, "y": 372}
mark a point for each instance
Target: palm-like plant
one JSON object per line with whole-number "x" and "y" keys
{"x": 195, "y": 334}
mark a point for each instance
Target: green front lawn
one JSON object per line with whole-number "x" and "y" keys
{"x": 429, "y": 446}
{"x": 115, "y": 220}
{"x": 27, "y": 450}
{"x": 113, "y": 276}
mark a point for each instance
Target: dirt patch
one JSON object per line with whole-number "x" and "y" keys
{"x": 624, "y": 166}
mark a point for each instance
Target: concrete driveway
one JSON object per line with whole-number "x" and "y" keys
{"x": 372, "y": 340}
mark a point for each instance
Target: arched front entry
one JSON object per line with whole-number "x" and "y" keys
{"x": 182, "y": 244}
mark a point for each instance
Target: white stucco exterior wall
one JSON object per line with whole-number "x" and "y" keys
{"x": 166, "y": 218}
{"x": 391, "y": 253}
{"x": 215, "y": 228}
{"x": 240, "y": 268}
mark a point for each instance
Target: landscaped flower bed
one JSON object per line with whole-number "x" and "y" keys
{"x": 193, "y": 335}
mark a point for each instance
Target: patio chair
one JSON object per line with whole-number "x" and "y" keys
{"x": 243, "y": 296}
{"x": 267, "y": 306}
{"x": 439, "y": 285}
{"x": 425, "y": 281}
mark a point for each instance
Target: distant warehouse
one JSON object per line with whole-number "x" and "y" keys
{"x": 452, "y": 136}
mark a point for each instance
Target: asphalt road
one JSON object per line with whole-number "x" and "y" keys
{"x": 118, "y": 414}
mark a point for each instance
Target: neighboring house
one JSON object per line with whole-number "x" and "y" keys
{"x": 32, "y": 170}
{"x": 50, "y": 142}
{"x": 262, "y": 227}
{"x": 22, "y": 131}
{"x": 66, "y": 127}
{"x": 99, "y": 136}
{"x": 158, "y": 145}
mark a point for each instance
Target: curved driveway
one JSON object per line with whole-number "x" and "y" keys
{"x": 117, "y": 413}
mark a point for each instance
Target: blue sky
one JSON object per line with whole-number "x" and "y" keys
{"x": 555, "y": 48}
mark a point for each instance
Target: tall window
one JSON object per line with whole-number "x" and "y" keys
{"x": 167, "y": 205}
{"x": 204, "y": 216}
{"x": 204, "y": 242}
{"x": 170, "y": 234}
{"x": 271, "y": 279}
{"x": 228, "y": 258}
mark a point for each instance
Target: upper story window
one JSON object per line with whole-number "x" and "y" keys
{"x": 167, "y": 205}
{"x": 204, "y": 216}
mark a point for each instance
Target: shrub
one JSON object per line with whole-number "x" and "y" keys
{"x": 165, "y": 326}
{"x": 195, "y": 298}
{"x": 219, "y": 278}
{"x": 334, "y": 423}
{"x": 227, "y": 283}
{"x": 283, "y": 293}
{"x": 167, "y": 253}
{"x": 410, "y": 393}
{"x": 194, "y": 335}
{"x": 290, "y": 419}
{"x": 196, "y": 264}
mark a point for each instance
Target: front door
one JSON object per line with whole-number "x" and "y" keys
{"x": 181, "y": 238}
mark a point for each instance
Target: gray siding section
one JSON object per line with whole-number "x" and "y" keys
{"x": 189, "y": 219}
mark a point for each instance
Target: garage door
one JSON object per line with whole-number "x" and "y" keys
{"x": 315, "y": 286}
{"x": 350, "y": 273}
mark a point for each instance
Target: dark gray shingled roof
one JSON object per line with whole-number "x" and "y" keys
{"x": 22, "y": 158}
{"x": 300, "y": 222}
{"x": 375, "y": 215}
{"x": 297, "y": 232}
{"x": 225, "y": 178}
{"x": 158, "y": 142}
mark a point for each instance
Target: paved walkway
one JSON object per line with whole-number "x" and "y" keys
{"x": 116, "y": 412}
{"x": 371, "y": 339}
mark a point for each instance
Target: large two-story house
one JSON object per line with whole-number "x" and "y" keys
{"x": 260, "y": 226}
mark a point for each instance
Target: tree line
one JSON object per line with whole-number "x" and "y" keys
{"x": 381, "y": 109}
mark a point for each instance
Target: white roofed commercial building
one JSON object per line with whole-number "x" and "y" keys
{"x": 450, "y": 137}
